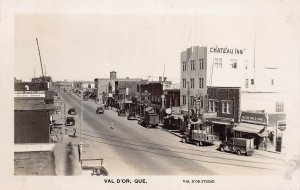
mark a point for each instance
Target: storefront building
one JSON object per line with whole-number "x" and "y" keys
{"x": 267, "y": 129}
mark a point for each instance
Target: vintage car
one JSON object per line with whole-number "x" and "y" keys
{"x": 70, "y": 121}
{"x": 238, "y": 145}
{"x": 100, "y": 110}
{"x": 121, "y": 112}
{"x": 131, "y": 116}
{"x": 72, "y": 111}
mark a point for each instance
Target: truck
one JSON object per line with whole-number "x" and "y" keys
{"x": 239, "y": 146}
{"x": 151, "y": 119}
{"x": 198, "y": 134}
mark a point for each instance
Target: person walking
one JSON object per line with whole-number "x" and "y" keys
{"x": 112, "y": 124}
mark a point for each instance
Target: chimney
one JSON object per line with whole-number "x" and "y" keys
{"x": 160, "y": 78}
{"x": 165, "y": 79}
{"x": 113, "y": 75}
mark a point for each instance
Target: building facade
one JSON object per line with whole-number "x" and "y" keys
{"x": 117, "y": 88}
{"x": 225, "y": 67}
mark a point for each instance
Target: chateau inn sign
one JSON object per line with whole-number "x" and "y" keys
{"x": 226, "y": 50}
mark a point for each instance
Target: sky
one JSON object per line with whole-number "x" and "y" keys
{"x": 146, "y": 40}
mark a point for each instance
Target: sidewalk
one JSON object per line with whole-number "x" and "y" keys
{"x": 67, "y": 158}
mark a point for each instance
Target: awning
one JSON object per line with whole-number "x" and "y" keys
{"x": 220, "y": 120}
{"x": 249, "y": 128}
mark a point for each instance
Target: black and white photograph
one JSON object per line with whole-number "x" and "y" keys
{"x": 162, "y": 94}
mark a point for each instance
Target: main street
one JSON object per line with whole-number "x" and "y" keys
{"x": 130, "y": 149}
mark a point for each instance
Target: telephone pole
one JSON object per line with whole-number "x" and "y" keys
{"x": 188, "y": 97}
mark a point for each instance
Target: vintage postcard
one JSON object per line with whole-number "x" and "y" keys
{"x": 150, "y": 94}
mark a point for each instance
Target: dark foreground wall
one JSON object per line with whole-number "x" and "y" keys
{"x": 31, "y": 126}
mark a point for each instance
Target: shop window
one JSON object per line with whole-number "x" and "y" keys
{"x": 279, "y": 107}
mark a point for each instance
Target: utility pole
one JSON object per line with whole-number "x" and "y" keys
{"x": 81, "y": 117}
{"x": 140, "y": 100}
{"x": 188, "y": 97}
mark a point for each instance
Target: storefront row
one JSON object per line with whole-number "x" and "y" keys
{"x": 267, "y": 130}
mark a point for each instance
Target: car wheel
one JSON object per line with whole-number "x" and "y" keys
{"x": 222, "y": 149}
{"x": 239, "y": 152}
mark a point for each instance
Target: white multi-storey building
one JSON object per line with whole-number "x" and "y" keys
{"x": 228, "y": 67}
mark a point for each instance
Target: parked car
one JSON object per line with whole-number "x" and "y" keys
{"x": 72, "y": 111}
{"x": 131, "y": 116}
{"x": 239, "y": 146}
{"x": 121, "y": 112}
{"x": 70, "y": 121}
{"x": 100, "y": 110}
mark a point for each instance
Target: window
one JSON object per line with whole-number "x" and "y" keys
{"x": 183, "y": 83}
{"x": 192, "y": 83}
{"x": 212, "y": 106}
{"x": 183, "y": 99}
{"x": 201, "y": 63}
{"x": 218, "y": 62}
{"x": 215, "y": 106}
{"x": 252, "y": 81}
{"x": 192, "y": 100}
{"x": 192, "y": 65}
{"x": 201, "y": 83}
{"x": 226, "y": 107}
{"x": 272, "y": 81}
{"x": 233, "y": 63}
{"x": 184, "y": 66}
{"x": 279, "y": 107}
{"x": 247, "y": 83}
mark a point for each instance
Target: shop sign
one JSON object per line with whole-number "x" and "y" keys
{"x": 29, "y": 94}
{"x": 209, "y": 115}
{"x": 226, "y": 50}
{"x": 281, "y": 125}
{"x": 256, "y": 118}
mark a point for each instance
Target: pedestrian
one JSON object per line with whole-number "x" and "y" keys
{"x": 112, "y": 124}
